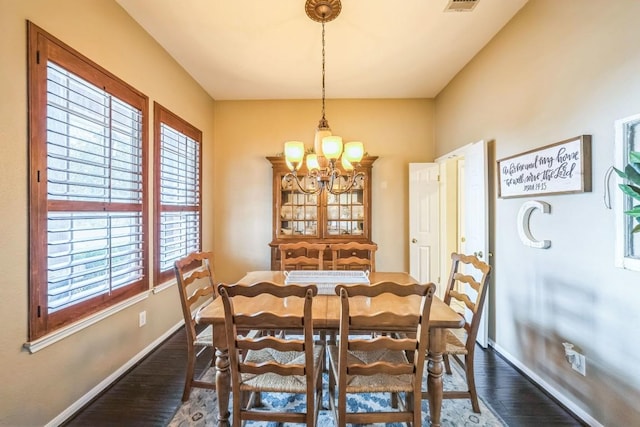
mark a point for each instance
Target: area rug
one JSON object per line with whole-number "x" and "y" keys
{"x": 202, "y": 408}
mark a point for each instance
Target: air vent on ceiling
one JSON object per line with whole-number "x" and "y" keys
{"x": 461, "y": 5}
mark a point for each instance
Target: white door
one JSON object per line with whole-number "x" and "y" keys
{"x": 472, "y": 210}
{"x": 424, "y": 260}
{"x": 476, "y": 215}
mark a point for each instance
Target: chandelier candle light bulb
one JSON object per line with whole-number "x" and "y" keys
{"x": 332, "y": 147}
{"x": 322, "y": 132}
{"x": 294, "y": 153}
{"x": 312, "y": 162}
{"x": 354, "y": 151}
{"x": 346, "y": 164}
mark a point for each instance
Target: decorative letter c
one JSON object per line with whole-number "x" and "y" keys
{"x": 523, "y": 223}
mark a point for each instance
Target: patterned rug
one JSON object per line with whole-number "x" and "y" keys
{"x": 202, "y": 408}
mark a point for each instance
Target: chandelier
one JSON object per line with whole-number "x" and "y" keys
{"x": 322, "y": 164}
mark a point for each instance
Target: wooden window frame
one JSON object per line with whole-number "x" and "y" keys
{"x": 42, "y": 48}
{"x": 164, "y": 116}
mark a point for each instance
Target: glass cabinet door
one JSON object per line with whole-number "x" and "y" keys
{"x": 345, "y": 212}
{"x": 298, "y": 211}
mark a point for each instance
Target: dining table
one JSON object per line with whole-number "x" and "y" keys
{"x": 326, "y": 317}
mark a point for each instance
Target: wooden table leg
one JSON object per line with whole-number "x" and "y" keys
{"x": 435, "y": 367}
{"x": 223, "y": 386}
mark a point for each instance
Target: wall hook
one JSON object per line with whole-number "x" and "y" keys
{"x": 607, "y": 191}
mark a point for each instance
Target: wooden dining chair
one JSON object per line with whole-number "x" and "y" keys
{"x": 290, "y": 364}
{"x": 354, "y": 256}
{"x": 466, "y": 291}
{"x": 382, "y": 362}
{"x": 194, "y": 274}
{"x": 302, "y": 256}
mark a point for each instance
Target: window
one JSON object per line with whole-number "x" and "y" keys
{"x": 88, "y": 239}
{"x": 178, "y": 164}
{"x": 627, "y": 243}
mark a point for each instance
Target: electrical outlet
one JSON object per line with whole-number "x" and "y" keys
{"x": 577, "y": 360}
{"x": 142, "y": 318}
{"x": 579, "y": 363}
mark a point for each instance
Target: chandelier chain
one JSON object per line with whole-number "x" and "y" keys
{"x": 323, "y": 62}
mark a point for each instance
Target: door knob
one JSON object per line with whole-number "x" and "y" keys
{"x": 414, "y": 240}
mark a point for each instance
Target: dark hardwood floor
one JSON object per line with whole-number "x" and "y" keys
{"x": 515, "y": 398}
{"x": 150, "y": 393}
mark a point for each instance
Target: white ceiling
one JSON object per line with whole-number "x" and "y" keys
{"x": 257, "y": 49}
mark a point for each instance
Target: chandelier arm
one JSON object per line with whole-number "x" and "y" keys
{"x": 350, "y": 183}
{"x": 333, "y": 174}
{"x": 291, "y": 176}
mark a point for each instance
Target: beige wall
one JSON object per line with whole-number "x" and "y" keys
{"x": 35, "y": 388}
{"x": 55, "y": 378}
{"x": 559, "y": 69}
{"x": 398, "y": 131}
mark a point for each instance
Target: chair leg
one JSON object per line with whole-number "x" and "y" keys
{"x": 417, "y": 409}
{"x": 471, "y": 382}
{"x": 319, "y": 390}
{"x": 237, "y": 422}
{"x": 191, "y": 365}
{"x": 332, "y": 381}
{"x": 447, "y": 365}
{"x": 342, "y": 409}
{"x": 311, "y": 410}
{"x": 318, "y": 403}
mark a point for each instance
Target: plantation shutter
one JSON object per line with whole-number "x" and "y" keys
{"x": 88, "y": 238}
{"x": 179, "y": 225}
{"x": 94, "y": 191}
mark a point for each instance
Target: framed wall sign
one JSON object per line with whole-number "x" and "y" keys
{"x": 560, "y": 168}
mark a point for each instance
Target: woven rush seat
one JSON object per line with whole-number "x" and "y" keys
{"x": 205, "y": 337}
{"x": 377, "y": 383}
{"x": 270, "y": 382}
{"x": 455, "y": 341}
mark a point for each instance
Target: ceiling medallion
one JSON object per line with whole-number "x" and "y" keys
{"x": 323, "y": 10}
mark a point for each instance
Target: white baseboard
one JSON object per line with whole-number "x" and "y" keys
{"x": 76, "y": 406}
{"x": 560, "y": 397}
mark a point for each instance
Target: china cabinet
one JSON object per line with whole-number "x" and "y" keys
{"x": 323, "y": 217}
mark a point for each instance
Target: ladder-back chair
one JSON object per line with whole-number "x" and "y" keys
{"x": 354, "y": 256}
{"x": 302, "y": 256}
{"x": 382, "y": 361}
{"x": 194, "y": 274}
{"x": 466, "y": 291}
{"x": 291, "y": 364}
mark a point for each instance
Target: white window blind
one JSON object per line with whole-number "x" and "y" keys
{"x": 179, "y": 196}
{"x": 94, "y": 190}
